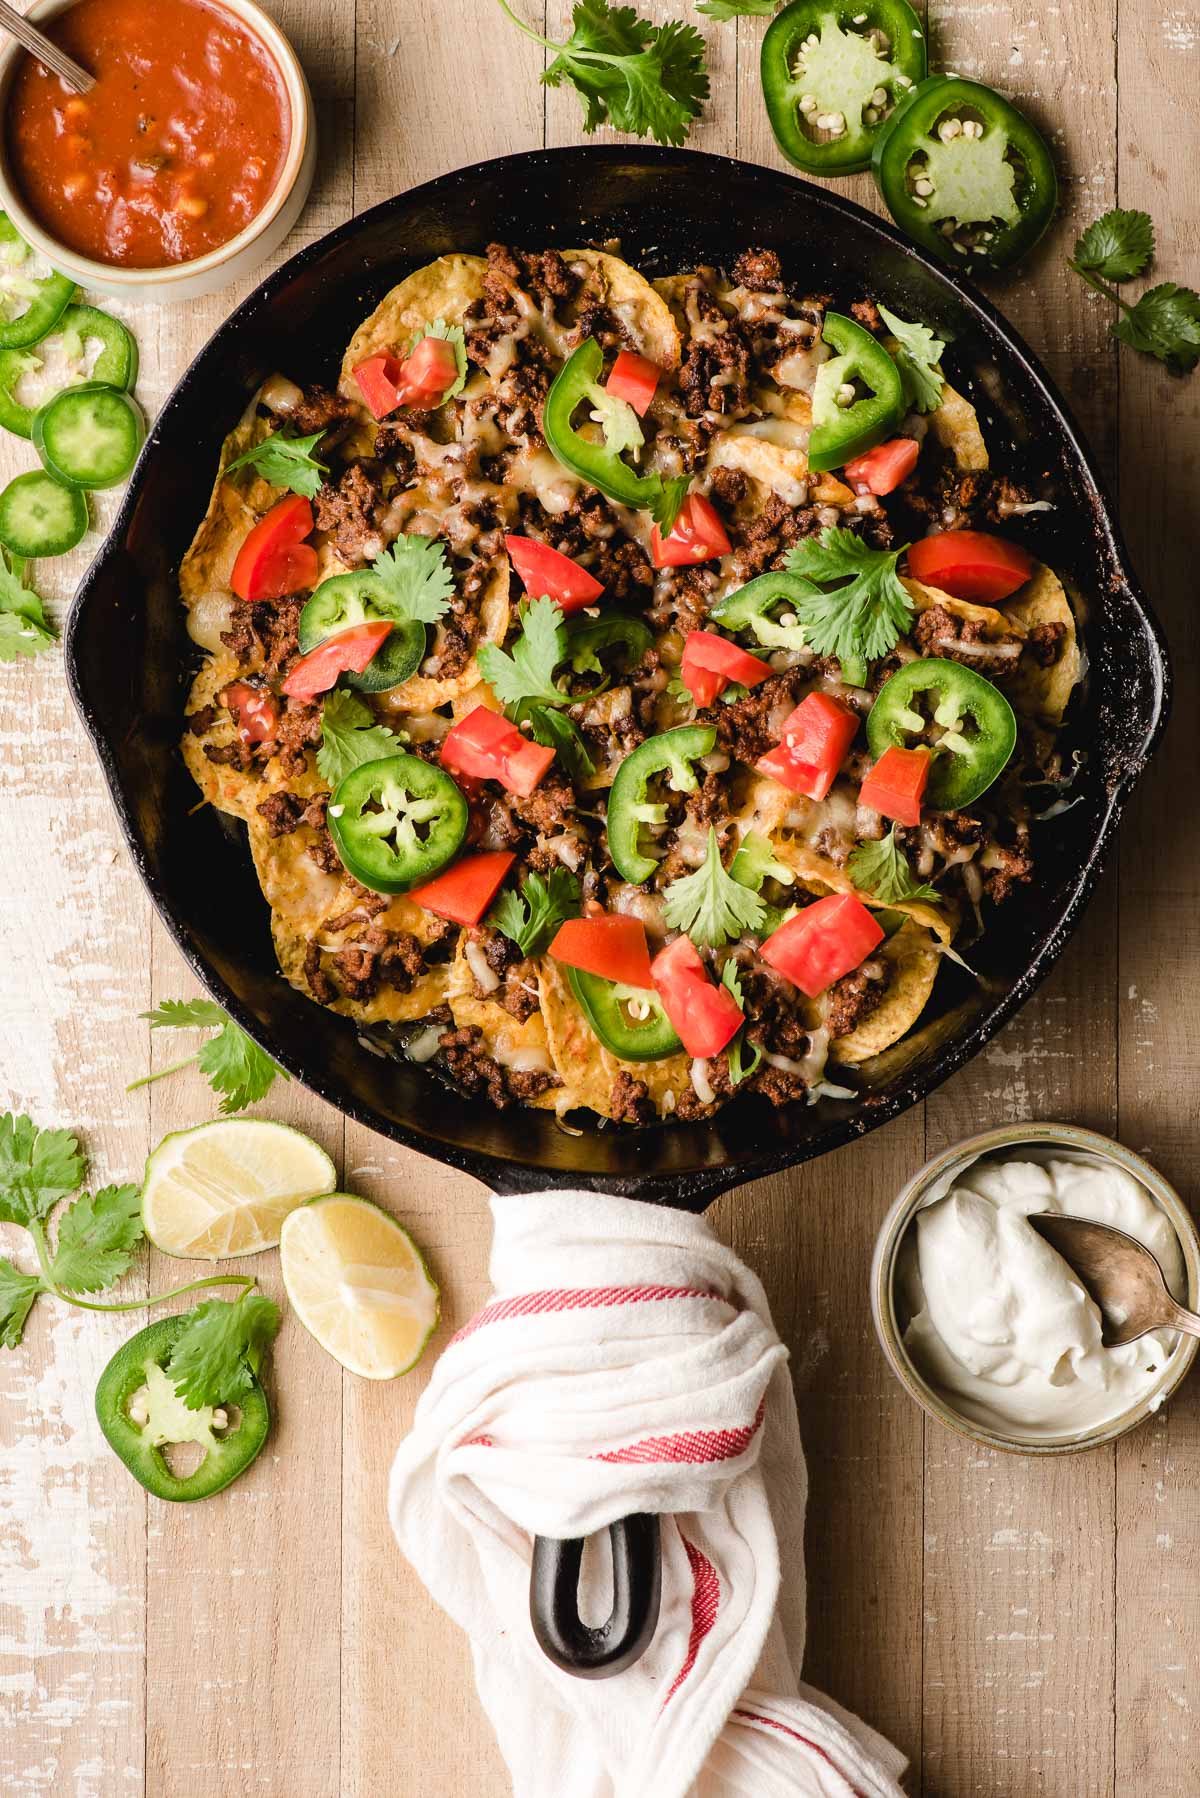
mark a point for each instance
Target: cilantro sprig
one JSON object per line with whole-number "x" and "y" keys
{"x": 285, "y": 462}
{"x": 710, "y": 904}
{"x": 918, "y": 356}
{"x": 1165, "y": 321}
{"x": 232, "y": 1062}
{"x": 350, "y": 736}
{"x": 220, "y": 1351}
{"x": 415, "y": 577}
{"x": 648, "y": 80}
{"x": 24, "y": 628}
{"x": 881, "y": 869}
{"x": 860, "y": 610}
{"x": 97, "y": 1235}
{"x": 524, "y": 681}
{"x": 531, "y": 917}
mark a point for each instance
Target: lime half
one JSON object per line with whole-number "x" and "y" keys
{"x": 224, "y": 1188}
{"x": 358, "y": 1283}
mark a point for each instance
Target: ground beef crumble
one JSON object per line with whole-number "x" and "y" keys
{"x": 851, "y": 999}
{"x": 478, "y": 1073}
{"x": 938, "y": 632}
{"x": 347, "y": 511}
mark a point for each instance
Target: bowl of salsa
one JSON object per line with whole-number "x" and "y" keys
{"x": 186, "y": 164}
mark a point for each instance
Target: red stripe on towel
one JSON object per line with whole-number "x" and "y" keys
{"x": 770, "y": 1723}
{"x": 706, "y": 1602}
{"x": 689, "y": 1445}
{"x": 584, "y": 1298}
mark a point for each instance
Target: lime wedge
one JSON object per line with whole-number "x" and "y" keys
{"x": 357, "y": 1282}
{"x": 224, "y": 1188}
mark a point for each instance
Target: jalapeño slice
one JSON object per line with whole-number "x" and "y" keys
{"x": 846, "y": 421}
{"x": 48, "y": 297}
{"x": 764, "y": 609}
{"x": 964, "y": 719}
{"x": 966, "y": 174}
{"x": 349, "y": 599}
{"x": 630, "y": 1022}
{"x": 161, "y": 1419}
{"x": 116, "y": 364}
{"x": 629, "y": 803}
{"x": 88, "y": 436}
{"x": 832, "y": 76}
{"x": 395, "y": 822}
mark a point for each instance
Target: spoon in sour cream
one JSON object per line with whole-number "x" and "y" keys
{"x": 1121, "y": 1276}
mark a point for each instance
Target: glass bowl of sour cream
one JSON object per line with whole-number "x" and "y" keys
{"x": 988, "y": 1328}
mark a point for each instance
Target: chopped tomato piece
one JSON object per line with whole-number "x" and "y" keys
{"x": 706, "y": 1016}
{"x": 815, "y": 739}
{"x": 485, "y": 746}
{"x": 633, "y": 379}
{"x": 427, "y": 371}
{"x": 546, "y": 572}
{"x": 696, "y": 536}
{"x": 823, "y": 942}
{"x": 882, "y": 469}
{"x": 612, "y": 946}
{"x": 710, "y": 662}
{"x": 970, "y": 565}
{"x": 347, "y": 653}
{"x": 379, "y": 383}
{"x": 896, "y": 784}
{"x": 464, "y": 892}
{"x": 275, "y": 560}
{"x": 255, "y": 708}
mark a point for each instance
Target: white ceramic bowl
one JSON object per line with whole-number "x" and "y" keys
{"x": 890, "y": 1322}
{"x": 231, "y": 261}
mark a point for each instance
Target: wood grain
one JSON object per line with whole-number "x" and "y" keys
{"x": 1018, "y": 1629}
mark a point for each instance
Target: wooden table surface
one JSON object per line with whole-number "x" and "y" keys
{"x": 1017, "y": 1628}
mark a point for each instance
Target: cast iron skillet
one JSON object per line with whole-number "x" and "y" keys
{"x": 128, "y": 657}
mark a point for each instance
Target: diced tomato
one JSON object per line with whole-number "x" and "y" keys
{"x": 823, "y": 942}
{"x": 464, "y": 892}
{"x": 896, "y": 784}
{"x": 427, "y": 372}
{"x": 634, "y": 379}
{"x": 545, "y": 571}
{"x": 696, "y": 536}
{"x": 612, "y": 946}
{"x": 706, "y": 1016}
{"x": 485, "y": 746}
{"x": 815, "y": 739}
{"x": 379, "y": 383}
{"x": 255, "y": 708}
{"x": 347, "y": 653}
{"x": 710, "y": 662}
{"x": 275, "y": 560}
{"x": 882, "y": 469}
{"x": 970, "y": 565}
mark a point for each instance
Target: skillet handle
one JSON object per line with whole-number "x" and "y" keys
{"x": 558, "y": 1628}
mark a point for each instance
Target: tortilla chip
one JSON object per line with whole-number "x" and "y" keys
{"x": 995, "y": 623}
{"x": 387, "y": 1006}
{"x": 1044, "y": 693}
{"x": 955, "y": 426}
{"x": 635, "y": 303}
{"x": 504, "y": 1037}
{"x": 587, "y": 1069}
{"x": 444, "y": 289}
{"x": 779, "y": 467}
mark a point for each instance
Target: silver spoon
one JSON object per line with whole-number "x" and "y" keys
{"x": 39, "y": 45}
{"x": 1120, "y": 1274}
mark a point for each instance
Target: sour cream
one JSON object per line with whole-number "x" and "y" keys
{"x": 999, "y": 1323}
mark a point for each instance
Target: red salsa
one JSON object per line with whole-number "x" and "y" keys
{"x": 176, "y": 149}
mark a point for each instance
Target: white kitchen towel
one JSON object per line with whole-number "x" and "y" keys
{"x": 627, "y": 1362}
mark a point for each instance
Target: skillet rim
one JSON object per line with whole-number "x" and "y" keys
{"x": 695, "y": 1187}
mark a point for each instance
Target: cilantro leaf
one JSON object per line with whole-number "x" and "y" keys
{"x": 710, "y": 905}
{"x": 222, "y": 1346}
{"x": 416, "y": 578}
{"x": 666, "y": 504}
{"x": 350, "y": 736}
{"x": 881, "y": 869}
{"x": 531, "y": 917}
{"x": 638, "y": 77}
{"x": 285, "y": 462}
{"x": 17, "y": 1293}
{"x": 1116, "y": 246}
{"x": 735, "y": 9}
{"x": 37, "y": 1169}
{"x": 452, "y": 334}
{"x": 1165, "y": 323}
{"x": 96, "y": 1239}
{"x": 862, "y": 618}
{"x": 231, "y": 1061}
{"x": 558, "y": 732}
{"x": 528, "y": 672}
{"x": 24, "y": 630}
{"x": 917, "y": 356}
{"x": 756, "y": 861}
